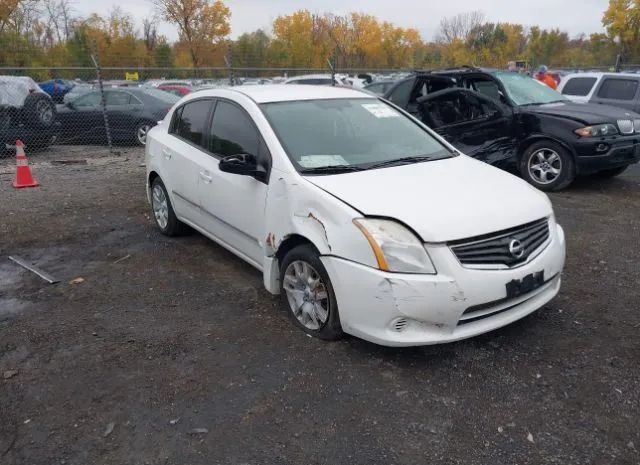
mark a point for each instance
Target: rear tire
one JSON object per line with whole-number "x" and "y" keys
{"x": 613, "y": 172}
{"x": 548, "y": 166}
{"x": 307, "y": 294}
{"x": 163, "y": 212}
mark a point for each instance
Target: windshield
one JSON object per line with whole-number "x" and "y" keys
{"x": 358, "y": 133}
{"x": 524, "y": 90}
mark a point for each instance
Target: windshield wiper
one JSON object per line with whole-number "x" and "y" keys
{"x": 400, "y": 161}
{"x": 330, "y": 169}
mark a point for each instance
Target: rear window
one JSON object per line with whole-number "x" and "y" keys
{"x": 618, "y": 89}
{"x": 579, "y": 86}
{"x": 191, "y": 122}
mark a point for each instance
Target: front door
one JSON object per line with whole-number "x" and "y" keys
{"x": 233, "y": 205}
{"x": 476, "y": 125}
{"x": 83, "y": 120}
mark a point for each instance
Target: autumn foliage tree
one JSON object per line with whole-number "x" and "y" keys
{"x": 201, "y": 24}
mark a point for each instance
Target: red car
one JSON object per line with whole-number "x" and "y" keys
{"x": 180, "y": 91}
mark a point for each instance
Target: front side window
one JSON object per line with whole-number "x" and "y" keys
{"x": 358, "y": 132}
{"x": 524, "y": 90}
{"x": 579, "y": 86}
{"x": 91, "y": 99}
{"x": 117, "y": 98}
{"x": 455, "y": 107}
{"x": 618, "y": 89}
{"x": 191, "y": 122}
{"x": 232, "y": 132}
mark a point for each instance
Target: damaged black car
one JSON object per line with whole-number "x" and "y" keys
{"x": 519, "y": 124}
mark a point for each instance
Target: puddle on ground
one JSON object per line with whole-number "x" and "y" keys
{"x": 11, "y": 306}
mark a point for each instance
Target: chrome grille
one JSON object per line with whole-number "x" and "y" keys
{"x": 625, "y": 126}
{"x": 508, "y": 248}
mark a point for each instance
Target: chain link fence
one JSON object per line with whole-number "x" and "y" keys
{"x": 108, "y": 109}
{"x": 97, "y": 109}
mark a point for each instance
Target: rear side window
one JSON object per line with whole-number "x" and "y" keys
{"x": 579, "y": 86}
{"x": 232, "y": 132}
{"x": 618, "y": 89}
{"x": 191, "y": 122}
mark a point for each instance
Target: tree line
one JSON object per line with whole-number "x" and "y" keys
{"x": 49, "y": 33}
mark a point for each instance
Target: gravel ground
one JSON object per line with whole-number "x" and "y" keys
{"x": 171, "y": 352}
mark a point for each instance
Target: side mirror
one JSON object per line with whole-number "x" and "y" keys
{"x": 243, "y": 164}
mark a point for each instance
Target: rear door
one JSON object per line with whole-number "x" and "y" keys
{"x": 233, "y": 205}
{"x": 473, "y": 123}
{"x": 409, "y": 93}
{"x": 622, "y": 91}
{"x": 183, "y": 152}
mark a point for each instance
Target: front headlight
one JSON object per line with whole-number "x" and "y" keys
{"x": 597, "y": 130}
{"x": 395, "y": 247}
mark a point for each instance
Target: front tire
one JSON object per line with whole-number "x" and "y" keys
{"x": 163, "y": 213}
{"x": 308, "y": 295}
{"x": 547, "y": 166}
{"x": 140, "y": 133}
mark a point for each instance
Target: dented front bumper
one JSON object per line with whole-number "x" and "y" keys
{"x": 397, "y": 309}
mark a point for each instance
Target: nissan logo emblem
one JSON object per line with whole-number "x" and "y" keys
{"x": 516, "y": 249}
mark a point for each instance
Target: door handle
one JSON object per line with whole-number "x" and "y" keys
{"x": 205, "y": 177}
{"x": 167, "y": 154}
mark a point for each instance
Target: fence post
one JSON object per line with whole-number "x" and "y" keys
{"x": 228, "y": 59}
{"x": 332, "y": 66}
{"x": 103, "y": 101}
{"x": 618, "y": 62}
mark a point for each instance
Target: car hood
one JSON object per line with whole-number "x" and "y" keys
{"x": 586, "y": 113}
{"x": 442, "y": 200}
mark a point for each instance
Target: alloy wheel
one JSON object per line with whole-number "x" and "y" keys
{"x": 545, "y": 165}
{"x": 307, "y": 294}
{"x": 160, "y": 206}
{"x": 44, "y": 111}
{"x": 141, "y": 133}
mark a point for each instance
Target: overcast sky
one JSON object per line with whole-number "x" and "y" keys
{"x": 573, "y": 16}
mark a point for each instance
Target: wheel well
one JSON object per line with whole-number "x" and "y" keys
{"x": 292, "y": 241}
{"x": 152, "y": 177}
{"x": 529, "y": 142}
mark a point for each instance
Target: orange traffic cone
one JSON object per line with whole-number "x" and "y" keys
{"x": 23, "y": 172}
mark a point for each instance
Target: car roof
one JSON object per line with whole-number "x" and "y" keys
{"x": 309, "y": 76}
{"x": 597, "y": 74}
{"x": 286, "y": 92}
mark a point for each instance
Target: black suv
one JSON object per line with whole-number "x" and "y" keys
{"x": 519, "y": 124}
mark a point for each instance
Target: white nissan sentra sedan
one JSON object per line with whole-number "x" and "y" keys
{"x": 362, "y": 218}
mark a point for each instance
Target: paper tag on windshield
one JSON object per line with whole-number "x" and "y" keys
{"x": 315, "y": 161}
{"x": 380, "y": 110}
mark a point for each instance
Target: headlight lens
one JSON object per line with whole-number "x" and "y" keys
{"x": 395, "y": 247}
{"x": 597, "y": 130}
